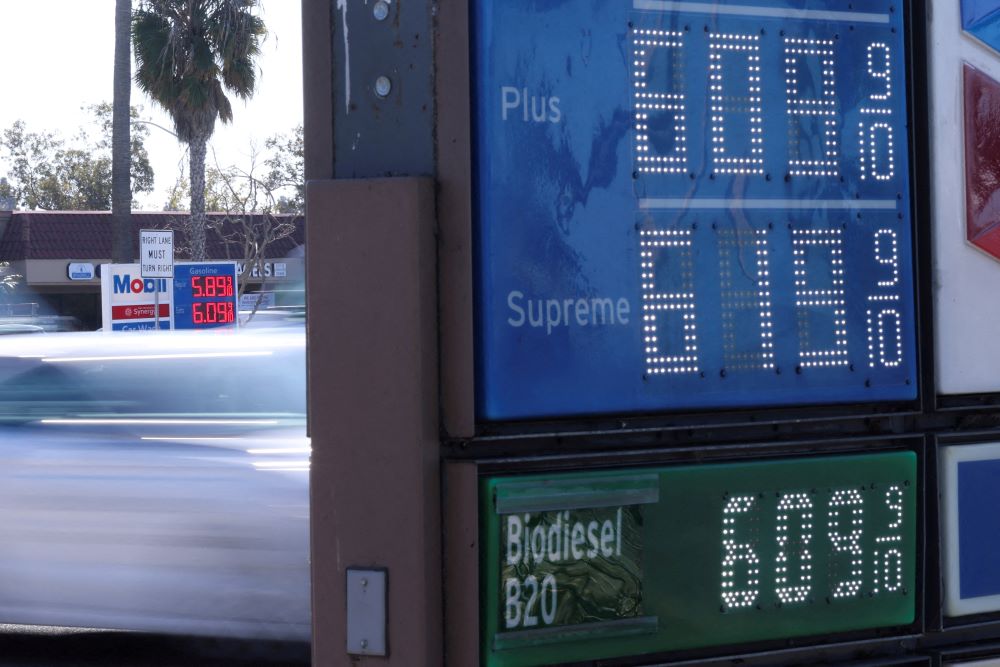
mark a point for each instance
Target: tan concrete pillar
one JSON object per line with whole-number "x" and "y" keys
{"x": 373, "y": 406}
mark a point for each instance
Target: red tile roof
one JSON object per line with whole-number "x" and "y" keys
{"x": 87, "y": 235}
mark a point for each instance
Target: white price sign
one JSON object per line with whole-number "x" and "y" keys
{"x": 156, "y": 253}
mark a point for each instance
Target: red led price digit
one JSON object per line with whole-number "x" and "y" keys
{"x": 197, "y": 289}
{"x": 198, "y": 313}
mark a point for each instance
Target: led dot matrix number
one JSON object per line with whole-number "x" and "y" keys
{"x": 211, "y": 286}
{"x": 806, "y": 523}
{"x": 736, "y": 106}
{"x": 737, "y": 147}
{"x": 745, "y": 283}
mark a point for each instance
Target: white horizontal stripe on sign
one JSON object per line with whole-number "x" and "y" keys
{"x": 654, "y": 203}
{"x": 767, "y": 12}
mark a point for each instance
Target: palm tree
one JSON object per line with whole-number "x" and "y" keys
{"x": 121, "y": 139}
{"x": 188, "y": 53}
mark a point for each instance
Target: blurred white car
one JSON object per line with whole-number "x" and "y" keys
{"x": 156, "y": 482}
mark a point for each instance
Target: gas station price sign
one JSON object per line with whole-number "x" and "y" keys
{"x": 599, "y": 565}
{"x": 689, "y": 205}
{"x": 205, "y": 295}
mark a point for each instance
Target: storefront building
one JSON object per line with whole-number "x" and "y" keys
{"x": 58, "y": 254}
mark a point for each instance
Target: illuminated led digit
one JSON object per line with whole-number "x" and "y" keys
{"x": 654, "y": 245}
{"x": 894, "y": 501}
{"x": 879, "y": 67}
{"x": 801, "y": 110}
{"x": 892, "y": 568}
{"x": 878, "y": 159}
{"x": 810, "y": 300}
{"x": 654, "y": 103}
{"x": 755, "y": 296}
{"x": 849, "y": 543}
{"x": 885, "y": 336}
{"x": 746, "y": 102}
{"x": 887, "y": 254}
{"x": 875, "y": 152}
{"x": 788, "y": 504}
{"x": 737, "y": 552}
{"x": 888, "y": 565}
{"x": 884, "y": 320}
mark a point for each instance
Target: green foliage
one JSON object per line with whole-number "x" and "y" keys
{"x": 286, "y": 171}
{"x": 47, "y": 171}
{"x": 189, "y": 53}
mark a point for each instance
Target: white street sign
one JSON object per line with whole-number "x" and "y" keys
{"x": 156, "y": 253}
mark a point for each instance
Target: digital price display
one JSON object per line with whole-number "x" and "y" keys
{"x": 612, "y": 564}
{"x": 205, "y": 295}
{"x": 686, "y": 205}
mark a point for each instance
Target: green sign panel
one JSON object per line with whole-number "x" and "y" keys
{"x": 599, "y": 565}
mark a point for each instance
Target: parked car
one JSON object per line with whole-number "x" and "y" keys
{"x": 156, "y": 482}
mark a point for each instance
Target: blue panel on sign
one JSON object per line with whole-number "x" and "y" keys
{"x": 978, "y": 528}
{"x": 140, "y": 326}
{"x": 982, "y": 19}
{"x": 685, "y": 205}
{"x": 205, "y": 295}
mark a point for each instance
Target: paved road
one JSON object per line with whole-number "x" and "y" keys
{"x": 25, "y": 646}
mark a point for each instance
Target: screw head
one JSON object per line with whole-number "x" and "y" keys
{"x": 381, "y": 10}
{"x": 383, "y": 86}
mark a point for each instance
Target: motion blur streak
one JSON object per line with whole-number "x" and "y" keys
{"x": 191, "y": 439}
{"x": 304, "y": 465}
{"x": 303, "y": 450}
{"x": 167, "y": 422}
{"x": 128, "y": 497}
{"x": 153, "y": 357}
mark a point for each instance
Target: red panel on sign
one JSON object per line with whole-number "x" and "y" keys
{"x": 140, "y": 312}
{"x": 982, "y": 160}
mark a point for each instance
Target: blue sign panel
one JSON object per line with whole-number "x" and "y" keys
{"x": 140, "y": 326}
{"x": 687, "y": 205}
{"x": 971, "y": 527}
{"x": 982, "y": 19}
{"x": 205, "y": 295}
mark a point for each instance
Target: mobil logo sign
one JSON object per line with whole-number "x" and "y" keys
{"x": 131, "y": 302}
{"x": 126, "y": 284}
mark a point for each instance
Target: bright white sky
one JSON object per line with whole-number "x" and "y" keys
{"x": 60, "y": 57}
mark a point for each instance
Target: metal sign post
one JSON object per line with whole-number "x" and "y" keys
{"x": 373, "y": 418}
